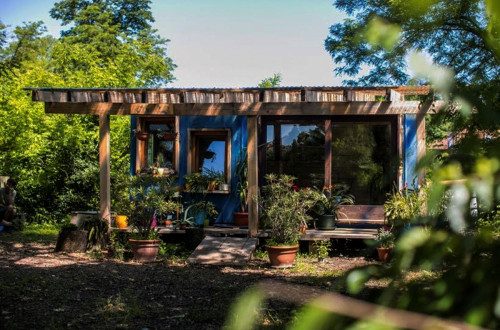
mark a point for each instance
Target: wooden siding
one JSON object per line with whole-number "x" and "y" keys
{"x": 242, "y": 95}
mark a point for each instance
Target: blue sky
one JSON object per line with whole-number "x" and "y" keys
{"x": 229, "y": 43}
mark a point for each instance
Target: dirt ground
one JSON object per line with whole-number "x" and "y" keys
{"x": 41, "y": 289}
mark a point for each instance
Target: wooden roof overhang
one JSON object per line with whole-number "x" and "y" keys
{"x": 242, "y": 101}
{"x": 250, "y": 102}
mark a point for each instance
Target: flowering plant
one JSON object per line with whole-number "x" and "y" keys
{"x": 385, "y": 238}
{"x": 332, "y": 198}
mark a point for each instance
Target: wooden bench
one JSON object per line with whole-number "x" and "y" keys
{"x": 355, "y": 222}
{"x": 361, "y": 215}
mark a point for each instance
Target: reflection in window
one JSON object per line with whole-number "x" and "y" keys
{"x": 210, "y": 151}
{"x": 161, "y": 144}
{"x": 361, "y": 159}
{"x": 300, "y": 151}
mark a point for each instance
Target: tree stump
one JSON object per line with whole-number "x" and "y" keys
{"x": 71, "y": 240}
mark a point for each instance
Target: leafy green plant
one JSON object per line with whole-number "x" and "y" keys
{"x": 241, "y": 171}
{"x": 97, "y": 232}
{"x": 333, "y": 197}
{"x": 385, "y": 238}
{"x": 285, "y": 207}
{"x": 196, "y": 182}
{"x": 322, "y": 248}
{"x": 402, "y": 206}
{"x": 214, "y": 176}
{"x": 119, "y": 243}
{"x": 150, "y": 197}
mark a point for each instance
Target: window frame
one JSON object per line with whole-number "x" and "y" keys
{"x": 142, "y": 146}
{"x": 193, "y": 137}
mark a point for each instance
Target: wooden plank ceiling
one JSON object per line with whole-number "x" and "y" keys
{"x": 245, "y": 101}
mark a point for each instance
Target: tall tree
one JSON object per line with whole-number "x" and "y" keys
{"x": 118, "y": 36}
{"x": 454, "y": 33}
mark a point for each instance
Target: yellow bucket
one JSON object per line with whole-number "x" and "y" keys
{"x": 121, "y": 221}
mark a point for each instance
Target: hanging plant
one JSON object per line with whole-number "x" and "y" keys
{"x": 141, "y": 135}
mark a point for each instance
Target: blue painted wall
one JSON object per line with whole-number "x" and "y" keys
{"x": 225, "y": 204}
{"x": 410, "y": 174}
{"x": 133, "y": 145}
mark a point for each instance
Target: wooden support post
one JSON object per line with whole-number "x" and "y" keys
{"x": 104, "y": 169}
{"x": 421, "y": 145}
{"x": 328, "y": 152}
{"x": 253, "y": 175}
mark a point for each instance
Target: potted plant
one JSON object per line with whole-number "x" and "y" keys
{"x": 201, "y": 211}
{"x": 403, "y": 205}
{"x": 150, "y": 196}
{"x": 241, "y": 170}
{"x": 195, "y": 182}
{"x": 385, "y": 242}
{"x": 215, "y": 179}
{"x": 327, "y": 208}
{"x": 166, "y": 135}
{"x": 284, "y": 209}
{"x": 141, "y": 135}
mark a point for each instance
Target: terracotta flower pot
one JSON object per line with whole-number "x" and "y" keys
{"x": 241, "y": 219}
{"x": 383, "y": 253}
{"x": 143, "y": 136}
{"x": 144, "y": 250}
{"x": 282, "y": 256}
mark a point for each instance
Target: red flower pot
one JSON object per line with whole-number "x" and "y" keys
{"x": 383, "y": 253}
{"x": 282, "y": 256}
{"x": 241, "y": 219}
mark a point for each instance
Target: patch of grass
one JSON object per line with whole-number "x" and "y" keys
{"x": 33, "y": 233}
{"x": 173, "y": 253}
{"x": 414, "y": 277}
{"x": 121, "y": 307}
{"x": 260, "y": 253}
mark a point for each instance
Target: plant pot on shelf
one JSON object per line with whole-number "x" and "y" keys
{"x": 241, "y": 219}
{"x": 383, "y": 253}
{"x": 144, "y": 250}
{"x": 121, "y": 221}
{"x": 326, "y": 222}
{"x": 282, "y": 256}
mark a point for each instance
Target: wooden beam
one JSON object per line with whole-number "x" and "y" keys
{"x": 243, "y": 109}
{"x": 104, "y": 169}
{"x": 253, "y": 176}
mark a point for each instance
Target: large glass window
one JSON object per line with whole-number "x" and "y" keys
{"x": 298, "y": 149}
{"x": 362, "y": 160}
{"x": 363, "y": 153}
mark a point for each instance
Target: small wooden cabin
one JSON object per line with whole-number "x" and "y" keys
{"x": 369, "y": 138}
